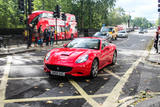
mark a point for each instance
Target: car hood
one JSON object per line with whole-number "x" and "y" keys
{"x": 61, "y": 55}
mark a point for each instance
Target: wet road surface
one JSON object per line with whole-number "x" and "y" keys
{"x": 24, "y": 84}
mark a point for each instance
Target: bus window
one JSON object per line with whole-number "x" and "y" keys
{"x": 62, "y": 29}
{"x": 35, "y": 20}
{"x": 68, "y": 28}
{"x": 73, "y": 18}
{"x": 58, "y": 29}
{"x": 47, "y": 15}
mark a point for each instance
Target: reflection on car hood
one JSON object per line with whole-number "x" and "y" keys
{"x": 66, "y": 54}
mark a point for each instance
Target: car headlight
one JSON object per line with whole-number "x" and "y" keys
{"x": 82, "y": 59}
{"x": 48, "y": 55}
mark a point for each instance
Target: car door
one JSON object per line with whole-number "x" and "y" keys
{"x": 104, "y": 58}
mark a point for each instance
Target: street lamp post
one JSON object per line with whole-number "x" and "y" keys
{"x": 129, "y": 19}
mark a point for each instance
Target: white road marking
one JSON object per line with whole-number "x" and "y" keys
{"x": 4, "y": 80}
{"x": 23, "y": 78}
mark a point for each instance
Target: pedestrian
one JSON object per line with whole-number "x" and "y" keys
{"x": 25, "y": 34}
{"x": 40, "y": 41}
{"x": 35, "y": 36}
{"x": 156, "y": 40}
{"x": 52, "y": 37}
{"x": 46, "y": 35}
{"x": 30, "y": 29}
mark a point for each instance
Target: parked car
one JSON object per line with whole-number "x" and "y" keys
{"x": 145, "y": 31}
{"x": 122, "y": 34}
{"x": 111, "y": 30}
{"x": 80, "y": 57}
{"x": 141, "y": 31}
{"x": 104, "y": 35}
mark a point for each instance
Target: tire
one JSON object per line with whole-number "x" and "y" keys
{"x": 94, "y": 69}
{"x": 114, "y": 59}
{"x": 116, "y": 38}
{"x": 110, "y": 40}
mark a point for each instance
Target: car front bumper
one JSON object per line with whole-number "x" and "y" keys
{"x": 71, "y": 69}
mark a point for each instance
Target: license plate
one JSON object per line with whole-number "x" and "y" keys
{"x": 57, "y": 73}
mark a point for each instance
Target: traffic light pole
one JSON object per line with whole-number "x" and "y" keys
{"x": 159, "y": 19}
{"x": 27, "y": 22}
{"x": 65, "y": 29}
{"x": 56, "y": 33}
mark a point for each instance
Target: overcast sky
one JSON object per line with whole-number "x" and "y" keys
{"x": 140, "y": 8}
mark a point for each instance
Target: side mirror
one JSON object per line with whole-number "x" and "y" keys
{"x": 65, "y": 45}
{"x": 106, "y": 48}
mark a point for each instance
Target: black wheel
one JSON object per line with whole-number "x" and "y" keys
{"x": 110, "y": 40}
{"x": 94, "y": 69}
{"x": 114, "y": 59}
{"x": 116, "y": 38}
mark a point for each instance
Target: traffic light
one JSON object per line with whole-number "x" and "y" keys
{"x": 158, "y": 7}
{"x": 54, "y": 14}
{"x": 57, "y": 11}
{"x": 21, "y": 6}
{"x": 30, "y": 6}
{"x": 63, "y": 16}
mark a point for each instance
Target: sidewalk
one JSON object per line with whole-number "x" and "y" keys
{"x": 14, "y": 49}
{"x": 154, "y": 57}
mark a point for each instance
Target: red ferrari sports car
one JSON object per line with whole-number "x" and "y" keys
{"x": 80, "y": 57}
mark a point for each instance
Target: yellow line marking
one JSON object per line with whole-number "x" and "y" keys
{"x": 156, "y": 93}
{"x": 41, "y": 99}
{"x": 52, "y": 98}
{"x": 101, "y": 75}
{"x": 45, "y": 77}
{"x": 113, "y": 74}
{"x": 4, "y": 80}
{"x": 92, "y": 102}
{"x": 112, "y": 99}
{"x": 158, "y": 76}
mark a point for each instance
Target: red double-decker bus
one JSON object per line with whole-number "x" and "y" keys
{"x": 65, "y": 29}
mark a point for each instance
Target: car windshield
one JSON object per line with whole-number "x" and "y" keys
{"x": 86, "y": 43}
{"x": 105, "y": 29}
{"x": 122, "y": 31}
{"x": 98, "y": 34}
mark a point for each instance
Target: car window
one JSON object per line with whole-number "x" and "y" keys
{"x": 104, "y": 44}
{"x": 105, "y": 29}
{"x": 122, "y": 32}
{"x": 98, "y": 34}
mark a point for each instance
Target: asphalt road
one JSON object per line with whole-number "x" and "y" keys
{"x": 24, "y": 84}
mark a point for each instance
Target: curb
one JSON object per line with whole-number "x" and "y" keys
{"x": 153, "y": 102}
{"x": 153, "y": 62}
{"x": 147, "y": 58}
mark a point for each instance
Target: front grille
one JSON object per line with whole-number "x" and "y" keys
{"x": 59, "y": 68}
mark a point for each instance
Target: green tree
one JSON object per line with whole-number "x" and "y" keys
{"x": 141, "y": 22}
{"x": 90, "y": 13}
